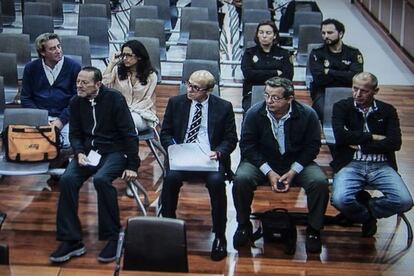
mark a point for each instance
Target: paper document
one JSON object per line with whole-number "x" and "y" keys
{"x": 93, "y": 158}
{"x": 191, "y": 157}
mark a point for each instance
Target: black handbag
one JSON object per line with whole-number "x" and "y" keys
{"x": 277, "y": 225}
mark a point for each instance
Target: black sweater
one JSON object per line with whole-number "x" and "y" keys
{"x": 105, "y": 125}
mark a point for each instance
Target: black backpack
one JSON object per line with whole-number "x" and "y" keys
{"x": 277, "y": 225}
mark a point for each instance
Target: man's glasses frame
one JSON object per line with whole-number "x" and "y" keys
{"x": 273, "y": 98}
{"x": 195, "y": 87}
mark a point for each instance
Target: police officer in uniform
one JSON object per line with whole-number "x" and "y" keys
{"x": 264, "y": 61}
{"x": 333, "y": 64}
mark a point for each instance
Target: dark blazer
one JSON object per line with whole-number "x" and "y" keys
{"x": 348, "y": 123}
{"x": 221, "y": 125}
{"x": 302, "y": 138}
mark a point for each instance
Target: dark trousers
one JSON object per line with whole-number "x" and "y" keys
{"x": 311, "y": 178}
{"x": 68, "y": 225}
{"x": 216, "y": 188}
{"x": 318, "y": 101}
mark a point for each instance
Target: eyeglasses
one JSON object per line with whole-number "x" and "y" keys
{"x": 127, "y": 55}
{"x": 273, "y": 98}
{"x": 194, "y": 87}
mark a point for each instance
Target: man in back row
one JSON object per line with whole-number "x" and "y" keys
{"x": 333, "y": 64}
{"x": 367, "y": 133}
{"x": 49, "y": 82}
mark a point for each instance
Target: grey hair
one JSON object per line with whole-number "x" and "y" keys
{"x": 367, "y": 76}
{"x": 42, "y": 39}
{"x": 286, "y": 84}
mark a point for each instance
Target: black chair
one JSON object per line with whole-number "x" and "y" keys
{"x": 97, "y": 30}
{"x": 140, "y": 12}
{"x": 203, "y": 49}
{"x": 188, "y": 15}
{"x": 211, "y": 5}
{"x": 308, "y": 34}
{"x": 332, "y": 95}
{"x": 257, "y": 94}
{"x": 164, "y": 11}
{"x": 9, "y": 74}
{"x": 57, "y": 11}
{"x": 155, "y": 244}
{"x": 18, "y": 44}
{"x": 146, "y": 27}
{"x": 8, "y": 14}
{"x": 77, "y": 45}
{"x": 204, "y": 30}
{"x": 4, "y": 254}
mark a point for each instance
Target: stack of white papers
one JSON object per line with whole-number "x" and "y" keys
{"x": 191, "y": 157}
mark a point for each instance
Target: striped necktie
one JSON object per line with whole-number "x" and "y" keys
{"x": 195, "y": 125}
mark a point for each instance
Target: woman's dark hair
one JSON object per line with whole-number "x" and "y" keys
{"x": 143, "y": 66}
{"x": 273, "y": 26}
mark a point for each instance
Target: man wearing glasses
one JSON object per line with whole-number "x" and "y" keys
{"x": 199, "y": 117}
{"x": 280, "y": 138}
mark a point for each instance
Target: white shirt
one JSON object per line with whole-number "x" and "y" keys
{"x": 52, "y": 74}
{"x": 202, "y": 136}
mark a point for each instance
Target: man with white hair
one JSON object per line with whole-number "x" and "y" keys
{"x": 201, "y": 117}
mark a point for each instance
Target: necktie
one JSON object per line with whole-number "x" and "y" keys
{"x": 195, "y": 125}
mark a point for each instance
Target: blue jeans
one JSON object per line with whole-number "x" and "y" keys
{"x": 379, "y": 176}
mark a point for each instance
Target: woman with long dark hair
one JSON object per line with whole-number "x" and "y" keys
{"x": 264, "y": 61}
{"x": 131, "y": 73}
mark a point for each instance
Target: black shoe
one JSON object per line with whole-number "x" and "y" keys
{"x": 313, "y": 240}
{"x": 108, "y": 254}
{"x": 67, "y": 250}
{"x": 243, "y": 235}
{"x": 369, "y": 228}
{"x": 53, "y": 180}
{"x": 219, "y": 249}
{"x": 342, "y": 220}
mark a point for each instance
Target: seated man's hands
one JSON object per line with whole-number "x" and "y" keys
{"x": 57, "y": 123}
{"x": 129, "y": 175}
{"x": 287, "y": 179}
{"x": 274, "y": 178}
{"x": 214, "y": 155}
{"x": 82, "y": 159}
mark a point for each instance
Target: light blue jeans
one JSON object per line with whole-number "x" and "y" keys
{"x": 378, "y": 176}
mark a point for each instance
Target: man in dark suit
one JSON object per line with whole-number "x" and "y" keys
{"x": 200, "y": 117}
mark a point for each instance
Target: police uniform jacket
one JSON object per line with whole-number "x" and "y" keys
{"x": 342, "y": 66}
{"x": 258, "y": 66}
